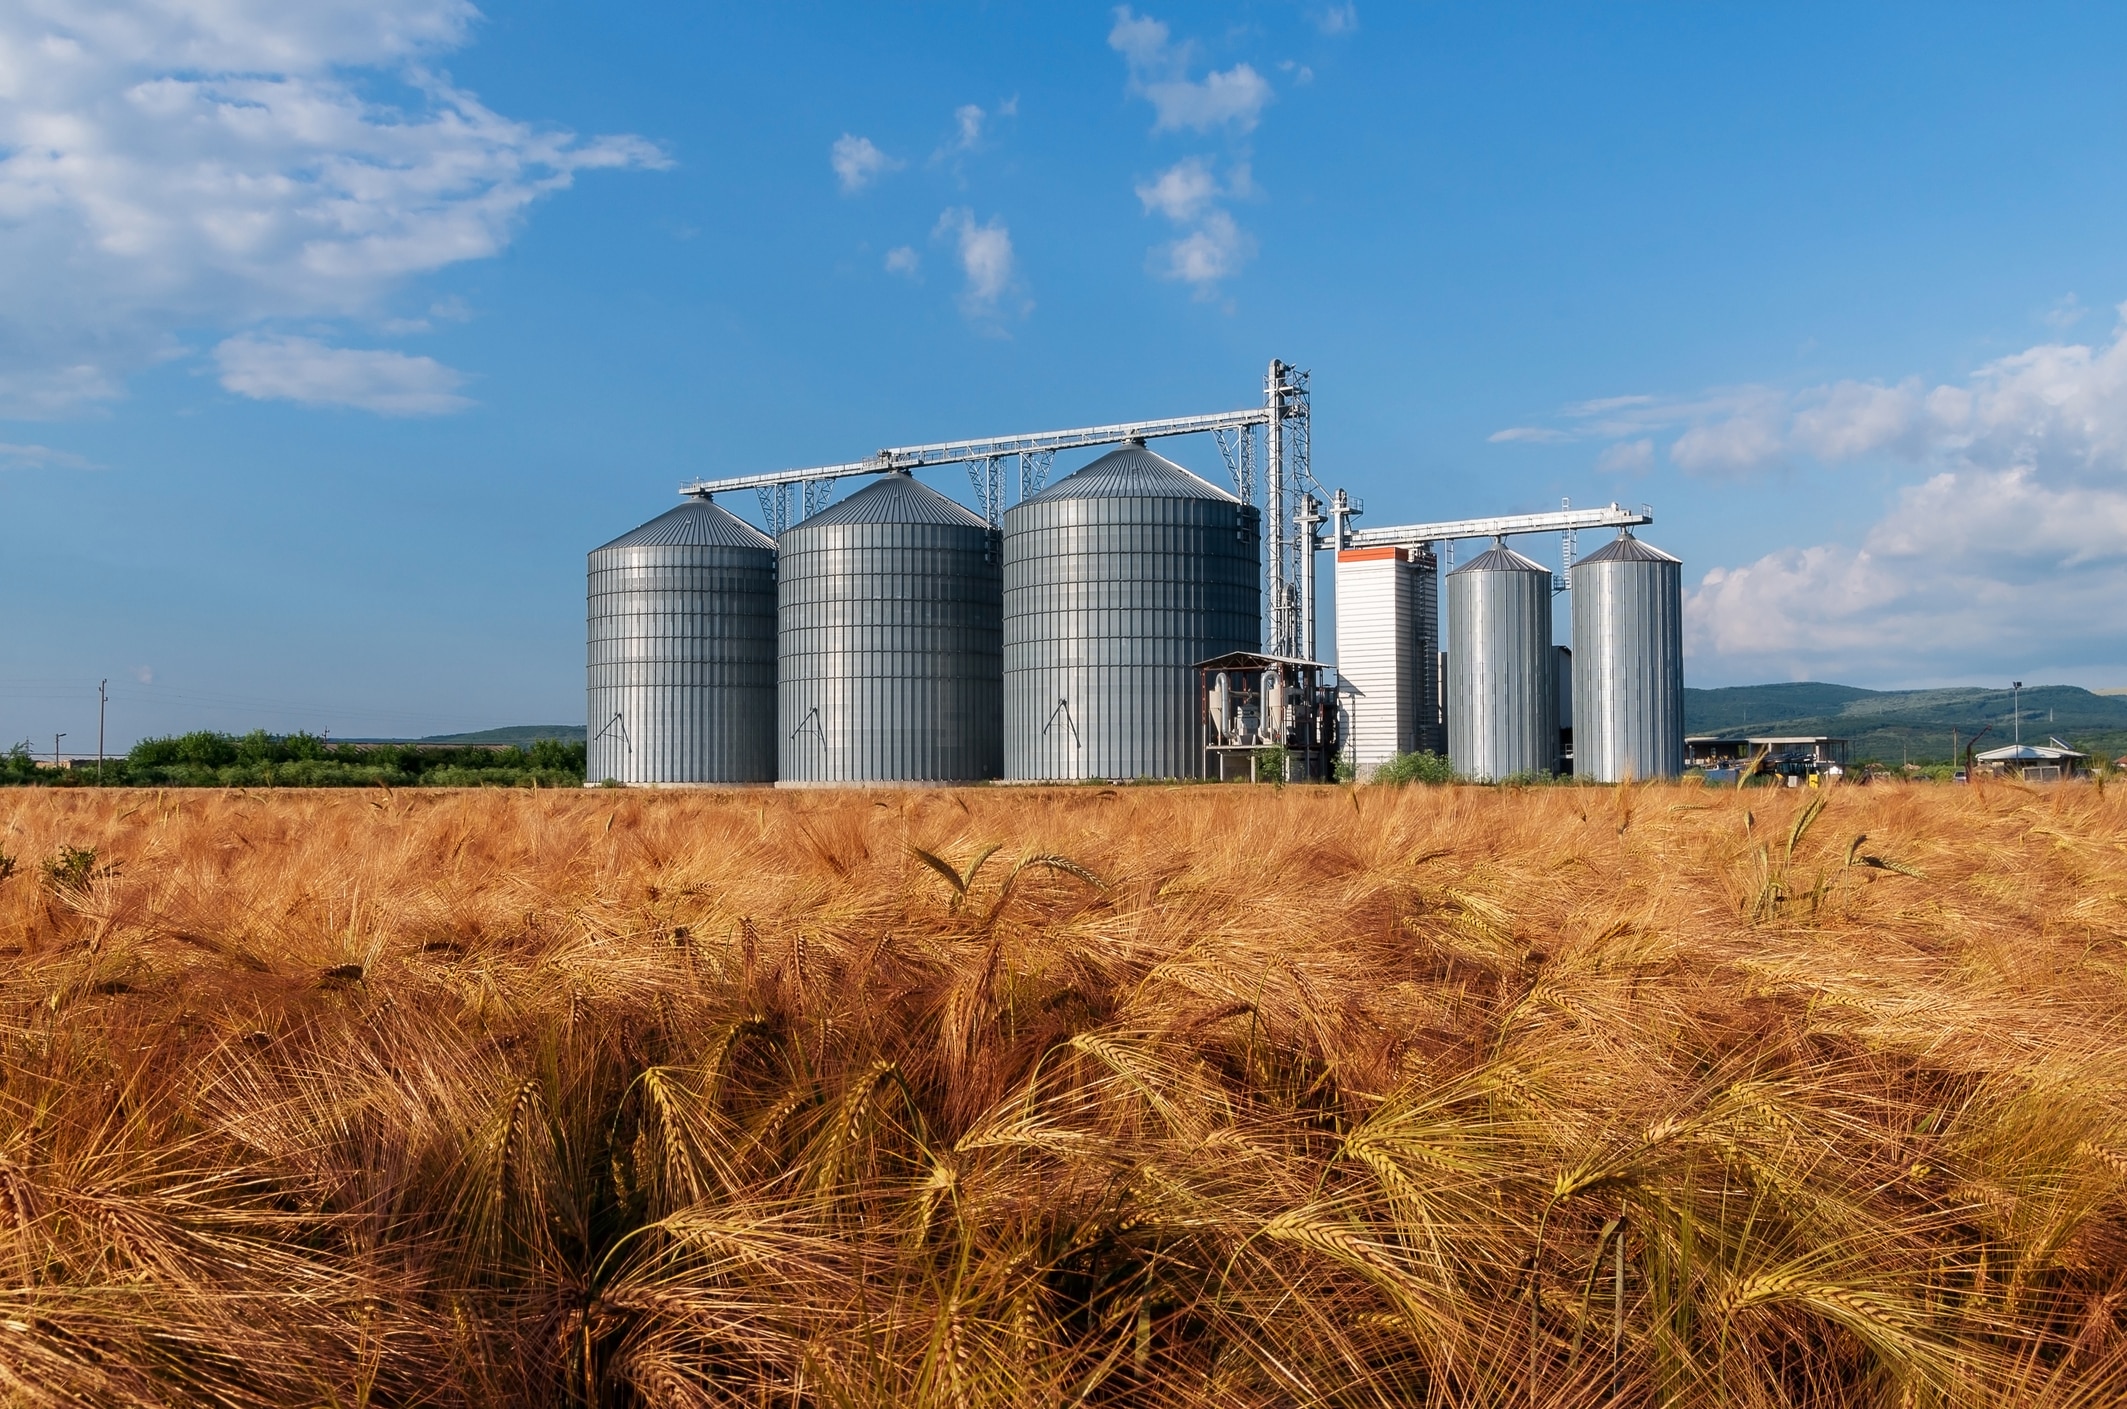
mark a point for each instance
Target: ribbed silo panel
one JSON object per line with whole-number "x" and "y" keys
{"x": 1110, "y": 601}
{"x": 1502, "y": 668}
{"x": 681, "y": 658}
{"x": 891, "y": 658}
{"x": 1628, "y": 664}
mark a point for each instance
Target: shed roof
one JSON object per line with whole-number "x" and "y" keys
{"x": 2028, "y": 753}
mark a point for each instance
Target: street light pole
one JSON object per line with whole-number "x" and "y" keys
{"x": 2016, "y": 709}
{"x": 55, "y": 749}
{"x": 103, "y": 698}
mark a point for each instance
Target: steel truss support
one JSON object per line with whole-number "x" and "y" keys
{"x": 1034, "y": 468}
{"x": 1289, "y": 482}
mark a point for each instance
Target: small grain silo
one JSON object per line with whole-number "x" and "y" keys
{"x": 1118, "y": 580}
{"x": 1628, "y": 663}
{"x": 889, "y": 616}
{"x": 681, "y": 657}
{"x": 1502, "y": 670}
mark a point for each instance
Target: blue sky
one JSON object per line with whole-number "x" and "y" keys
{"x": 329, "y": 342}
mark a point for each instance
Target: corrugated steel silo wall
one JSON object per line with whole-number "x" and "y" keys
{"x": 891, "y": 654}
{"x": 1628, "y": 670}
{"x": 681, "y": 665}
{"x": 1109, "y": 602}
{"x": 1502, "y": 674}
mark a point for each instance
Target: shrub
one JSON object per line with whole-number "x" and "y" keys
{"x": 1423, "y": 767}
{"x": 71, "y": 868}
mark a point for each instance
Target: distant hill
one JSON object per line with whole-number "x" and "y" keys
{"x": 511, "y": 734}
{"x": 1892, "y": 725}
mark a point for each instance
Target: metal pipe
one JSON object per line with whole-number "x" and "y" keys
{"x": 1281, "y": 633}
{"x": 954, "y": 452}
{"x": 1613, "y": 516}
{"x": 1308, "y": 519}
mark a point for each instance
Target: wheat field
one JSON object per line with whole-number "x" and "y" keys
{"x": 1147, "y": 1096}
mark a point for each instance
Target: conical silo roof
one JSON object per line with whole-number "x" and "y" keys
{"x": 896, "y": 498}
{"x": 1501, "y": 559}
{"x": 1132, "y": 472}
{"x": 1627, "y": 549}
{"x": 694, "y": 524}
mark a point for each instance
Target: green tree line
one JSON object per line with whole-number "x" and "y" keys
{"x": 205, "y": 759}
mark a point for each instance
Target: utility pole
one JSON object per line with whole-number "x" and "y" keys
{"x": 2016, "y": 709}
{"x": 103, "y": 697}
{"x": 55, "y": 749}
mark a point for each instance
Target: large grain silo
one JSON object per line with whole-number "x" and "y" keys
{"x": 1502, "y": 670}
{"x": 681, "y": 660}
{"x": 891, "y": 645}
{"x": 1118, "y": 580}
{"x": 1628, "y": 663}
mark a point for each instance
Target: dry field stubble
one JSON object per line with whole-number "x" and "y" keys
{"x": 1144, "y": 1096}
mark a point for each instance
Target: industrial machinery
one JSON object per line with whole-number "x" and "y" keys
{"x": 1268, "y": 718}
{"x": 1628, "y": 663}
{"x": 682, "y": 652}
{"x": 890, "y": 662}
{"x": 1117, "y": 581}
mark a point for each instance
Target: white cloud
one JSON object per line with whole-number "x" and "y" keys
{"x": 904, "y": 261}
{"x": 1182, "y": 191}
{"x": 1746, "y": 440}
{"x": 169, "y": 165}
{"x": 1337, "y": 19}
{"x": 40, "y": 457}
{"x": 306, "y": 371}
{"x": 1159, "y": 73}
{"x": 986, "y": 259}
{"x": 2010, "y": 555}
{"x": 2065, "y": 313}
{"x": 1214, "y": 246}
{"x": 1215, "y": 250}
{"x": 858, "y": 163}
{"x": 1627, "y": 457}
{"x": 972, "y": 127}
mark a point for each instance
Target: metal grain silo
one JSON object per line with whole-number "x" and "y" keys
{"x": 1502, "y": 670}
{"x": 1628, "y": 663}
{"x": 889, "y": 615}
{"x": 681, "y": 677}
{"x": 1117, "y": 581}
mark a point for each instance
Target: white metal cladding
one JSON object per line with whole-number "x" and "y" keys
{"x": 1379, "y": 654}
{"x": 891, "y": 648}
{"x": 1502, "y": 670}
{"x": 1117, "y": 581}
{"x": 1628, "y": 663}
{"x": 681, "y": 657}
